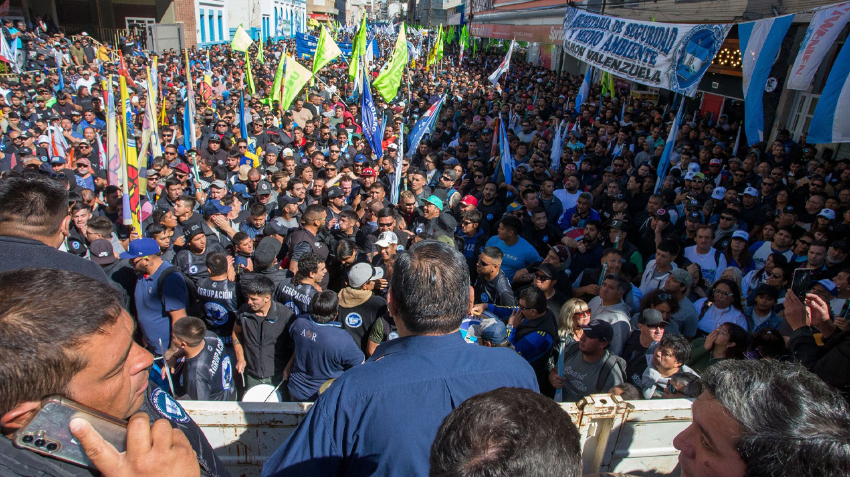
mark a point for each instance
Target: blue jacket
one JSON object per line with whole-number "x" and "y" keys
{"x": 380, "y": 418}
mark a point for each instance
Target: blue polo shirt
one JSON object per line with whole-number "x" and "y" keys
{"x": 380, "y": 418}
{"x": 517, "y": 256}
{"x": 152, "y": 310}
{"x": 322, "y": 351}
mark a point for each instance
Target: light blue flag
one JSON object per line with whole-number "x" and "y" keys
{"x": 664, "y": 162}
{"x": 557, "y": 148}
{"x": 584, "y": 91}
{"x": 424, "y": 126}
{"x": 506, "y": 159}
{"x": 760, "y": 41}
{"x": 830, "y": 123}
{"x": 371, "y": 126}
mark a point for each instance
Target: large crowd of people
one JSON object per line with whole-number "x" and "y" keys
{"x": 280, "y": 259}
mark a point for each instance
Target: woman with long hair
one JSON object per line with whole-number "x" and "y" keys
{"x": 658, "y": 300}
{"x": 728, "y": 341}
{"x": 723, "y": 305}
{"x": 738, "y": 255}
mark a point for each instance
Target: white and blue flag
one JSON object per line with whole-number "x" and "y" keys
{"x": 760, "y": 41}
{"x": 371, "y": 126}
{"x": 664, "y": 162}
{"x": 831, "y": 122}
{"x": 506, "y": 159}
{"x": 584, "y": 90}
{"x": 424, "y": 126}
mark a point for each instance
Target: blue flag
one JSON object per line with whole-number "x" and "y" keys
{"x": 424, "y": 126}
{"x": 506, "y": 158}
{"x": 584, "y": 90}
{"x": 664, "y": 162}
{"x": 61, "y": 78}
{"x": 371, "y": 126}
{"x": 243, "y": 126}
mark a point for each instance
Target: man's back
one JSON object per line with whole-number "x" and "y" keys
{"x": 381, "y": 418}
{"x": 17, "y": 253}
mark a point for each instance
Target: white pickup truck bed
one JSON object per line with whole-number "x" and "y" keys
{"x": 617, "y": 436}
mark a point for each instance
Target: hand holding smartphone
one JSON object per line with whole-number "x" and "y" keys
{"x": 800, "y": 282}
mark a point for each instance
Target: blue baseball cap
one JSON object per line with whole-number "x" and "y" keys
{"x": 360, "y": 158}
{"x": 142, "y": 247}
{"x": 213, "y": 207}
{"x": 494, "y": 332}
{"x": 242, "y": 190}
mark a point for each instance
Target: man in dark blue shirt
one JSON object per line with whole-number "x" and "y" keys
{"x": 353, "y": 429}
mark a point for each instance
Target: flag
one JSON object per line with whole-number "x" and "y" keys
{"x": 737, "y": 142}
{"x": 123, "y": 71}
{"x": 397, "y": 167}
{"x": 6, "y": 53}
{"x": 249, "y": 76}
{"x": 557, "y": 148}
{"x": 389, "y": 80}
{"x": 358, "y": 48}
{"x": 241, "y": 40}
{"x": 130, "y": 187}
{"x": 611, "y": 86}
{"x": 251, "y": 152}
{"x": 326, "y": 50}
{"x": 296, "y": 77}
{"x": 823, "y": 31}
{"x": 371, "y": 128}
{"x": 503, "y": 66}
{"x": 584, "y": 90}
{"x": 664, "y": 162}
{"x": 505, "y": 157}
{"x": 4, "y": 8}
{"x": 190, "y": 140}
{"x": 760, "y": 41}
{"x": 278, "y": 76}
{"x": 424, "y": 126}
{"x": 115, "y": 174}
{"x": 830, "y": 123}
{"x": 260, "y": 56}
{"x": 605, "y": 83}
{"x": 441, "y": 42}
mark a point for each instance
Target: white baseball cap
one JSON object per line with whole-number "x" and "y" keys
{"x": 386, "y": 239}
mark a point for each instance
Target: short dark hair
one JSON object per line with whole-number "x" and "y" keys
{"x": 100, "y": 224}
{"x": 217, "y": 263}
{"x": 308, "y": 263}
{"x": 430, "y": 287}
{"x": 679, "y": 345}
{"x": 259, "y": 286}
{"x": 324, "y": 306}
{"x": 535, "y": 299}
{"x": 40, "y": 337}
{"x": 670, "y": 246}
{"x": 34, "y": 206}
{"x": 493, "y": 252}
{"x": 622, "y": 284}
{"x": 507, "y": 432}
{"x": 803, "y": 429}
{"x": 512, "y": 222}
{"x": 190, "y": 329}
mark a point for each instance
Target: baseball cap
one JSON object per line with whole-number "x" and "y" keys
{"x": 83, "y": 160}
{"x": 386, "y": 239}
{"x": 651, "y": 317}
{"x": 830, "y": 286}
{"x": 765, "y": 289}
{"x": 682, "y": 276}
{"x": 514, "y": 206}
{"x": 213, "y": 207}
{"x": 435, "y": 201}
{"x": 740, "y": 234}
{"x": 392, "y": 146}
{"x": 715, "y": 162}
{"x": 617, "y": 224}
{"x": 335, "y": 192}
{"x": 718, "y": 193}
{"x": 219, "y": 184}
{"x": 663, "y": 215}
{"x": 58, "y": 160}
{"x": 789, "y": 210}
{"x": 598, "y": 329}
{"x": 286, "y": 199}
{"x": 243, "y": 172}
{"x": 694, "y": 217}
{"x": 101, "y": 252}
{"x": 751, "y": 191}
{"x": 76, "y": 247}
{"x": 182, "y": 167}
{"x": 840, "y": 245}
{"x": 494, "y": 331}
{"x": 264, "y": 188}
{"x": 192, "y": 230}
{"x": 287, "y": 151}
{"x": 142, "y": 247}
{"x": 619, "y": 198}
{"x": 469, "y": 200}
{"x": 562, "y": 251}
{"x": 242, "y": 190}
{"x": 698, "y": 175}
{"x": 362, "y": 273}
{"x": 360, "y": 158}
{"x": 266, "y": 252}
{"x": 369, "y": 172}
{"x": 827, "y": 213}
{"x": 546, "y": 269}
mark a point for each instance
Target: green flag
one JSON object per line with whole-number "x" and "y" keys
{"x": 296, "y": 77}
{"x": 358, "y": 49}
{"x": 441, "y": 40}
{"x": 241, "y": 40}
{"x": 249, "y": 77}
{"x": 278, "y": 77}
{"x": 389, "y": 79}
{"x": 260, "y": 56}
{"x": 326, "y": 50}
{"x": 435, "y": 48}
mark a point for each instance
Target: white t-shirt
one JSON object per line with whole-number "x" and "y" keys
{"x": 567, "y": 199}
{"x": 711, "y": 268}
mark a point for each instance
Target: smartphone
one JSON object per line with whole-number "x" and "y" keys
{"x": 47, "y": 432}
{"x": 800, "y": 282}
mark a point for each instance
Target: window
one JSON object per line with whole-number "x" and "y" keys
{"x": 203, "y": 30}
{"x": 212, "y": 26}
{"x": 220, "y": 25}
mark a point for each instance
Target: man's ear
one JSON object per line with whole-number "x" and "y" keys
{"x": 391, "y": 305}
{"x": 15, "y": 418}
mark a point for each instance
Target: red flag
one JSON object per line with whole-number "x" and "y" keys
{"x": 122, "y": 70}
{"x": 4, "y": 8}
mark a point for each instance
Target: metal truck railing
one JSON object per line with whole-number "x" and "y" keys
{"x": 617, "y": 436}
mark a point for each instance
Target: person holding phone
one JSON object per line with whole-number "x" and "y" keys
{"x": 83, "y": 350}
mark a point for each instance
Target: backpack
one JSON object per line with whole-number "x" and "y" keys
{"x": 195, "y": 307}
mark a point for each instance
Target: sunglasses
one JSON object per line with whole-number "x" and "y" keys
{"x": 542, "y": 278}
{"x": 723, "y": 293}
